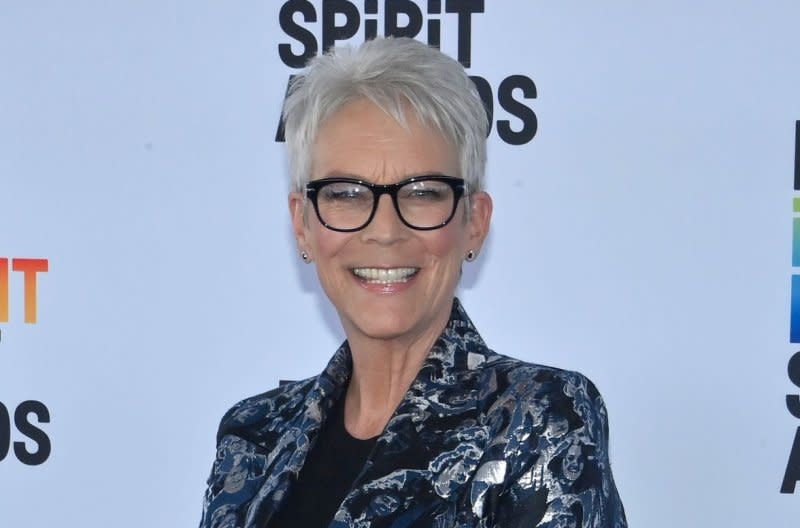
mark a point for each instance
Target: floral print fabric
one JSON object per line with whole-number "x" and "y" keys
{"x": 479, "y": 440}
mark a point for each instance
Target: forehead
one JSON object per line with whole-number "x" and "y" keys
{"x": 364, "y": 141}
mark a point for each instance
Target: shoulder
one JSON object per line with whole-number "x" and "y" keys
{"x": 555, "y": 423}
{"x": 526, "y": 379}
{"x": 254, "y": 412}
{"x": 549, "y": 400}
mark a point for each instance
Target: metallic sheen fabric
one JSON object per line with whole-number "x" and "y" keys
{"x": 479, "y": 440}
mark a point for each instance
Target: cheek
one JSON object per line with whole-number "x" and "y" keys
{"x": 445, "y": 249}
{"x": 328, "y": 244}
{"x": 449, "y": 243}
{"x": 446, "y": 243}
{"x": 324, "y": 242}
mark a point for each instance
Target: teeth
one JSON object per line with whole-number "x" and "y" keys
{"x": 384, "y": 275}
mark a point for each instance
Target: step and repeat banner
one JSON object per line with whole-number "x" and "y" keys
{"x": 645, "y": 169}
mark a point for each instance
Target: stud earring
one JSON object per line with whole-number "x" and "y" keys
{"x": 305, "y": 257}
{"x": 470, "y": 256}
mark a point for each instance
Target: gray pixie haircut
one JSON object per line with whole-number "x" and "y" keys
{"x": 391, "y": 73}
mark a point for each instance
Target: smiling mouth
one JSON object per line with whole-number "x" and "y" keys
{"x": 385, "y": 275}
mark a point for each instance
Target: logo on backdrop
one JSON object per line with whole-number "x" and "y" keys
{"x": 25, "y": 425}
{"x": 310, "y": 29}
{"x": 792, "y": 474}
{"x": 33, "y": 445}
{"x": 29, "y": 268}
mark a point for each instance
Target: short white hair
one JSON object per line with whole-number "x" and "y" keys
{"x": 391, "y": 73}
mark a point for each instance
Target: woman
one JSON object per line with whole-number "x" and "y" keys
{"x": 414, "y": 422}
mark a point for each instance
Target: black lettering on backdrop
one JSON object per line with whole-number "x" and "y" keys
{"x": 341, "y": 20}
{"x": 797, "y": 155}
{"x": 792, "y": 474}
{"x": 793, "y": 400}
{"x": 24, "y": 426}
{"x": 505, "y": 96}
{"x": 297, "y": 32}
{"x": 330, "y": 31}
{"x": 370, "y": 25}
{"x": 465, "y": 10}
{"x": 5, "y": 432}
{"x": 434, "y": 25}
{"x": 395, "y": 12}
{"x": 27, "y": 429}
{"x": 406, "y": 7}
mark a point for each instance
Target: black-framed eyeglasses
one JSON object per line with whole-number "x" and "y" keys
{"x": 422, "y": 202}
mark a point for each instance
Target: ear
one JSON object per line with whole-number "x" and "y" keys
{"x": 480, "y": 218}
{"x": 297, "y": 212}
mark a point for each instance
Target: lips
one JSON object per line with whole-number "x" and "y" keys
{"x": 385, "y": 275}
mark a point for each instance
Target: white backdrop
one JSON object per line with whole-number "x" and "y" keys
{"x": 643, "y": 236}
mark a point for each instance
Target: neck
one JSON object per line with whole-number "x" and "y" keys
{"x": 383, "y": 371}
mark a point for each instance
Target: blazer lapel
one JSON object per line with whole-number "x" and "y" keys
{"x": 432, "y": 445}
{"x": 296, "y": 428}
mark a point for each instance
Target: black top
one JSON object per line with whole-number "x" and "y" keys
{"x": 329, "y": 471}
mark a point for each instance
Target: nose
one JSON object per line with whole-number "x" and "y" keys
{"x": 386, "y": 226}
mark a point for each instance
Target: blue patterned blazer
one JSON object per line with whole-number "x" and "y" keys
{"x": 495, "y": 442}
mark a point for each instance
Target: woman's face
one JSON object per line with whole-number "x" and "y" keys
{"x": 361, "y": 141}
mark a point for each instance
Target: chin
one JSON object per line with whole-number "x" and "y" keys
{"x": 383, "y": 326}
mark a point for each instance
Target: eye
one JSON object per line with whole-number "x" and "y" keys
{"x": 344, "y": 192}
{"x": 426, "y": 191}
